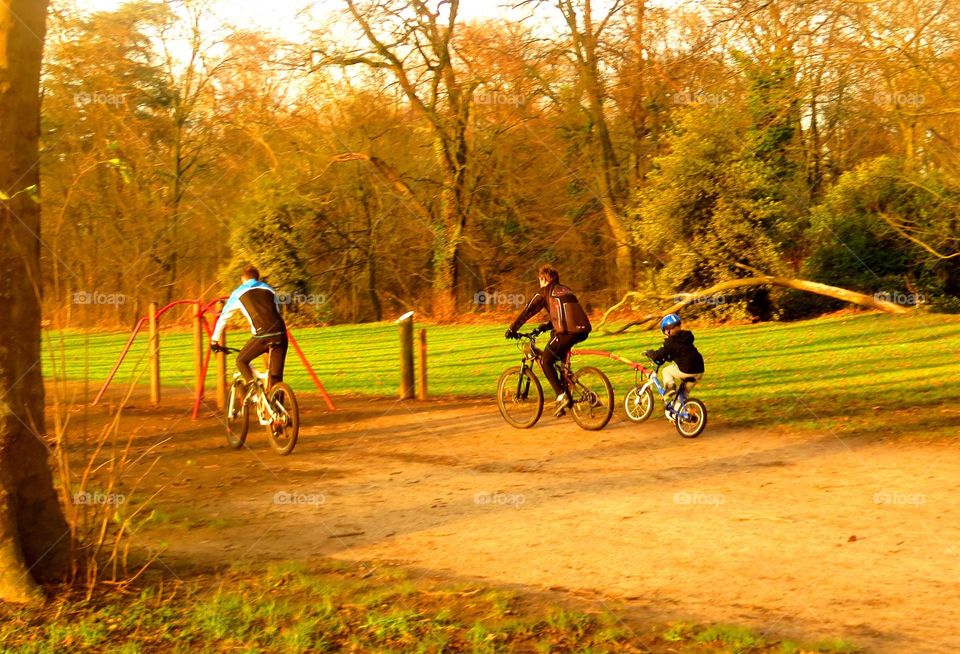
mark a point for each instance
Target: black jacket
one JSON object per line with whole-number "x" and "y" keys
{"x": 566, "y": 314}
{"x": 679, "y": 348}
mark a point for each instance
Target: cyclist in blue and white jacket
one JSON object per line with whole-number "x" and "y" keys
{"x": 257, "y": 301}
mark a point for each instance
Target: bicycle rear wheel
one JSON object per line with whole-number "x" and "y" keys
{"x": 691, "y": 418}
{"x": 592, "y": 395}
{"x": 284, "y": 427}
{"x": 236, "y": 415}
{"x": 520, "y": 397}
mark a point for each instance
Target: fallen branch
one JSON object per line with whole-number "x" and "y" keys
{"x": 759, "y": 279}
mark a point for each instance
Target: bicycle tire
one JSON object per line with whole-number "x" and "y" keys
{"x": 691, "y": 423}
{"x": 514, "y": 406}
{"x": 283, "y": 437}
{"x": 592, "y": 407}
{"x": 239, "y": 426}
{"x": 639, "y": 403}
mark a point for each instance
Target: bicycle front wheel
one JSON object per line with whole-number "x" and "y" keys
{"x": 284, "y": 427}
{"x": 520, "y": 397}
{"x": 236, "y": 415}
{"x": 592, "y": 395}
{"x": 691, "y": 418}
{"x": 638, "y": 403}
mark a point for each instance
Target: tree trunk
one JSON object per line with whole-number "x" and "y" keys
{"x": 371, "y": 261}
{"x": 623, "y": 256}
{"x": 606, "y": 166}
{"x": 445, "y": 268}
{"x": 34, "y": 536}
{"x": 454, "y": 221}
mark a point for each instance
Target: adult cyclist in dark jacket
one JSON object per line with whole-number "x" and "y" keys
{"x": 257, "y": 301}
{"x": 568, "y": 322}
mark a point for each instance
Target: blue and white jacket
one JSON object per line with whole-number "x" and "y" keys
{"x": 258, "y": 302}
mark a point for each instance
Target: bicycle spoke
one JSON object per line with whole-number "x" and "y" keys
{"x": 519, "y": 397}
{"x": 592, "y": 398}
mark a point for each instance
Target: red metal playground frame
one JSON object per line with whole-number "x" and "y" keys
{"x": 201, "y": 317}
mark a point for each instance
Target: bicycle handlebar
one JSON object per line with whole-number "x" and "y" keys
{"x": 235, "y": 350}
{"x": 532, "y": 334}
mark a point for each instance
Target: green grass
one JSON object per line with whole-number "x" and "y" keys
{"x": 184, "y": 518}
{"x": 857, "y": 373}
{"x": 289, "y": 608}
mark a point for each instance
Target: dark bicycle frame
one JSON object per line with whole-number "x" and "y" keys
{"x": 564, "y": 368}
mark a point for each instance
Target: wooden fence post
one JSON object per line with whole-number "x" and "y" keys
{"x": 406, "y": 355}
{"x": 422, "y": 391}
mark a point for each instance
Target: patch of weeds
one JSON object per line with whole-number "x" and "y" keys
{"x": 738, "y": 639}
{"x": 679, "y": 632}
{"x": 831, "y": 646}
{"x": 500, "y": 602}
{"x": 569, "y": 621}
{"x": 396, "y": 625}
{"x": 445, "y": 616}
{"x": 482, "y": 640}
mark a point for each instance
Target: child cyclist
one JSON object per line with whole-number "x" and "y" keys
{"x": 686, "y": 360}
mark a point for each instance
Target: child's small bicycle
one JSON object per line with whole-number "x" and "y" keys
{"x": 688, "y": 413}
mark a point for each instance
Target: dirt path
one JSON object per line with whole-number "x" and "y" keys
{"x": 798, "y": 534}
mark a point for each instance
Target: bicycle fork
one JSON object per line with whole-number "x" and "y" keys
{"x": 678, "y": 399}
{"x": 523, "y": 384}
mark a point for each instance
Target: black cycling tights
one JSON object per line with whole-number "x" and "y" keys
{"x": 556, "y": 350}
{"x": 258, "y": 346}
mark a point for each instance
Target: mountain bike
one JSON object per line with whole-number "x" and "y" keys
{"x": 688, "y": 414}
{"x": 274, "y": 405}
{"x": 520, "y": 395}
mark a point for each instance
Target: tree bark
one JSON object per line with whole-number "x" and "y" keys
{"x": 34, "y": 536}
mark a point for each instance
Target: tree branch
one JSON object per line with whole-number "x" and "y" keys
{"x": 835, "y": 292}
{"x": 393, "y": 178}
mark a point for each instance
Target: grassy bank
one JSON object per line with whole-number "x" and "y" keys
{"x": 347, "y": 607}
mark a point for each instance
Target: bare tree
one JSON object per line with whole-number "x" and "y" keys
{"x": 585, "y": 34}
{"x": 414, "y": 43}
{"x": 191, "y": 107}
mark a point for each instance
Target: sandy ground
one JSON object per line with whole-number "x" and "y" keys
{"x": 799, "y": 534}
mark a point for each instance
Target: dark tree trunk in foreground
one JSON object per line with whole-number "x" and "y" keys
{"x": 34, "y": 537}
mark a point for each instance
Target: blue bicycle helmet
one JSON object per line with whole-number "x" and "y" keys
{"x": 669, "y": 321}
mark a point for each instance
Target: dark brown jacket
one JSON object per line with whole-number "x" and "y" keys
{"x": 566, "y": 314}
